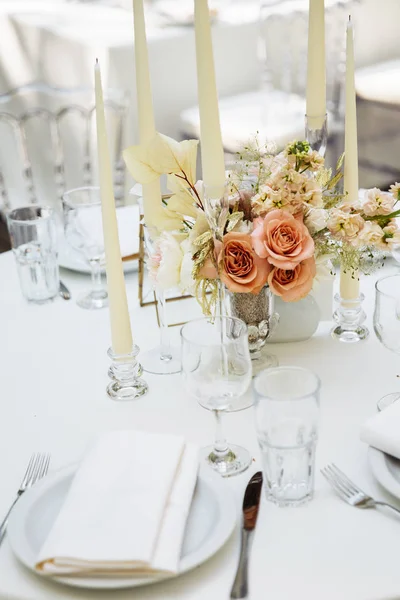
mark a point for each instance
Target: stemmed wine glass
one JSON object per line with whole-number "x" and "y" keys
{"x": 387, "y": 322}
{"x": 216, "y": 367}
{"x": 84, "y": 233}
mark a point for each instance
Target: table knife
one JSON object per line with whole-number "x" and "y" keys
{"x": 64, "y": 291}
{"x": 251, "y": 502}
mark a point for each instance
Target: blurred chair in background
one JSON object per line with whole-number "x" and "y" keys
{"x": 378, "y": 113}
{"x": 277, "y": 108}
{"x": 48, "y": 143}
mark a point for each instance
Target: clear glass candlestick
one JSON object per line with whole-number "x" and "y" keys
{"x": 164, "y": 359}
{"x": 317, "y": 133}
{"x": 125, "y": 372}
{"x": 349, "y": 316}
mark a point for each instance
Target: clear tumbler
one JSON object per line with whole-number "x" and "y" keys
{"x": 33, "y": 239}
{"x": 286, "y": 411}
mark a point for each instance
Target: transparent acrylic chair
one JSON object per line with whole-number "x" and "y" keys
{"x": 49, "y": 143}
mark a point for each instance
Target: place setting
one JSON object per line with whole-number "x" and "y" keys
{"x": 232, "y": 337}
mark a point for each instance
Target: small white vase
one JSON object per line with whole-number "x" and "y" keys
{"x": 298, "y": 321}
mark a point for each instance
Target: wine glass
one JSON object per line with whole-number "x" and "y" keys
{"x": 387, "y": 322}
{"x": 216, "y": 367}
{"x": 84, "y": 233}
{"x": 164, "y": 359}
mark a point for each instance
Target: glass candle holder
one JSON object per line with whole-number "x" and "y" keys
{"x": 317, "y": 132}
{"x": 349, "y": 316}
{"x": 125, "y": 374}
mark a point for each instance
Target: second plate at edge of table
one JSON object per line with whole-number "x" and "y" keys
{"x": 386, "y": 470}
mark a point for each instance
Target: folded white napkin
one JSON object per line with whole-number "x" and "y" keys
{"x": 382, "y": 431}
{"x": 90, "y": 224}
{"x": 126, "y": 509}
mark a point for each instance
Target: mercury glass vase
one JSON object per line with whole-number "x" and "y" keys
{"x": 257, "y": 311}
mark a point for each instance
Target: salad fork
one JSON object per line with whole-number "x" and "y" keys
{"x": 349, "y": 491}
{"x": 36, "y": 469}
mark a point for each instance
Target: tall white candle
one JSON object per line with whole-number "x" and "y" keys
{"x": 121, "y": 334}
{"x": 152, "y": 203}
{"x": 349, "y": 281}
{"x": 212, "y": 153}
{"x": 350, "y": 130}
{"x": 316, "y": 67}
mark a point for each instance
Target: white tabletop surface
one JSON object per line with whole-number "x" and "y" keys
{"x": 53, "y": 367}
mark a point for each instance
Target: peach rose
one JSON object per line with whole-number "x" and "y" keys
{"x": 293, "y": 284}
{"x": 282, "y": 239}
{"x": 241, "y": 270}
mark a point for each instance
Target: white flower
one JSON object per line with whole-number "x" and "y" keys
{"x": 344, "y": 224}
{"x": 391, "y": 235}
{"x": 371, "y": 235}
{"x": 395, "y": 191}
{"x": 186, "y": 279}
{"x": 312, "y": 193}
{"x": 324, "y": 270}
{"x": 377, "y": 202}
{"x": 165, "y": 263}
{"x": 316, "y": 220}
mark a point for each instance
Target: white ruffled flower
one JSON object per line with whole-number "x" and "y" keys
{"x": 344, "y": 224}
{"x": 165, "y": 263}
{"x": 377, "y": 202}
{"x": 187, "y": 282}
{"x": 371, "y": 235}
{"x": 391, "y": 236}
{"x": 316, "y": 220}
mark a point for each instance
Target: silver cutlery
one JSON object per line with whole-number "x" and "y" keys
{"x": 36, "y": 469}
{"x": 349, "y": 491}
{"x": 64, "y": 291}
{"x": 251, "y": 503}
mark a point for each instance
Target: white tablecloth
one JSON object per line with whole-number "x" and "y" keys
{"x": 53, "y": 378}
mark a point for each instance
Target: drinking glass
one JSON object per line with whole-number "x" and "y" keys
{"x": 216, "y": 367}
{"x": 84, "y": 233}
{"x": 286, "y": 412}
{"x": 33, "y": 240}
{"x": 164, "y": 359}
{"x": 387, "y": 322}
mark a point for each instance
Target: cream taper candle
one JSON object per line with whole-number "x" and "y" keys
{"x": 152, "y": 202}
{"x": 316, "y": 68}
{"x": 349, "y": 280}
{"x": 350, "y": 131}
{"x": 212, "y": 152}
{"x": 121, "y": 334}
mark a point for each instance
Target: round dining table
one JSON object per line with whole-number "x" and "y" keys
{"x": 53, "y": 379}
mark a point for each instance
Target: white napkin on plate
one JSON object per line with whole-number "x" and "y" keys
{"x": 126, "y": 509}
{"x": 382, "y": 431}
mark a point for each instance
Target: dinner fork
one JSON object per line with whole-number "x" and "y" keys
{"x": 36, "y": 469}
{"x": 349, "y": 491}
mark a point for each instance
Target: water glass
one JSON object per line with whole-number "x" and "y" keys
{"x": 286, "y": 411}
{"x": 387, "y": 322}
{"x": 33, "y": 239}
{"x": 216, "y": 368}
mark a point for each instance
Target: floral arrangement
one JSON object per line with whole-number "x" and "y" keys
{"x": 279, "y": 223}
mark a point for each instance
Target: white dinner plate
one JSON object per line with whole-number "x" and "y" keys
{"x": 211, "y": 521}
{"x": 73, "y": 261}
{"x": 128, "y": 228}
{"x": 386, "y": 470}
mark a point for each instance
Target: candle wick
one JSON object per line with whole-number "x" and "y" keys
{"x": 349, "y": 17}
{"x": 97, "y": 61}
